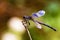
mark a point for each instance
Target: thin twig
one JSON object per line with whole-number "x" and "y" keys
{"x": 27, "y": 30}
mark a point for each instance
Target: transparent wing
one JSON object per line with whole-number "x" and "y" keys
{"x": 38, "y": 25}
{"x": 38, "y": 14}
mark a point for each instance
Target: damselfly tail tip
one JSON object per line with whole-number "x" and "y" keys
{"x": 54, "y": 29}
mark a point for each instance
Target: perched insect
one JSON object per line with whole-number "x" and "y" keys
{"x": 35, "y": 15}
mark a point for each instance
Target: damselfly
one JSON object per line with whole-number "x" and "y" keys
{"x": 35, "y": 15}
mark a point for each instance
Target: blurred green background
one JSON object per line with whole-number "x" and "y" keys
{"x": 19, "y": 8}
